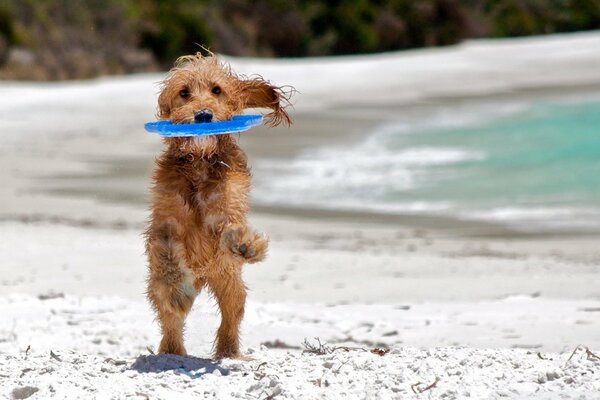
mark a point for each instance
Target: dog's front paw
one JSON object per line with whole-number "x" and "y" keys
{"x": 245, "y": 243}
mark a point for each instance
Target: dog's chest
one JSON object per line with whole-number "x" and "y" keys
{"x": 207, "y": 201}
{"x": 211, "y": 205}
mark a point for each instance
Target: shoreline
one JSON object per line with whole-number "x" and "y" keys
{"x": 439, "y": 225}
{"x": 435, "y": 225}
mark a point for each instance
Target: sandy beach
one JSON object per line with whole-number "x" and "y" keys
{"x": 483, "y": 309}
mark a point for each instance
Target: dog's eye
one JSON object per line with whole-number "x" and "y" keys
{"x": 184, "y": 93}
{"x": 216, "y": 90}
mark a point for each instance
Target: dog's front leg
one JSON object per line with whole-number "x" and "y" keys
{"x": 243, "y": 242}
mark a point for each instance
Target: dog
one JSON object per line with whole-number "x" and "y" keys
{"x": 198, "y": 236}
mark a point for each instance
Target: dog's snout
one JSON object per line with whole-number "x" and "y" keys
{"x": 203, "y": 116}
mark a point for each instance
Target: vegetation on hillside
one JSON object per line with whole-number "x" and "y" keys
{"x": 65, "y": 39}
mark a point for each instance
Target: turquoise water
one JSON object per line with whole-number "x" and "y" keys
{"x": 538, "y": 168}
{"x": 547, "y": 156}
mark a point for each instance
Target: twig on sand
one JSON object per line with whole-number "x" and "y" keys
{"x": 262, "y": 364}
{"x": 258, "y": 374}
{"x": 588, "y": 353}
{"x": 416, "y": 389}
{"x": 57, "y": 358}
{"x": 27, "y": 350}
{"x": 150, "y": 350}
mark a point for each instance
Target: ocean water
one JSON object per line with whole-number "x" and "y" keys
{"x": 534, "y": 166}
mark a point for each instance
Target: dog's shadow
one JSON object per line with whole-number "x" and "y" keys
{"x": 193, "y": 367}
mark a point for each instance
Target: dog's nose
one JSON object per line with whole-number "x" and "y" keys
{"x": 203, "y": 116}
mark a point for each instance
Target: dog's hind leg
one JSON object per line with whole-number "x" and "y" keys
{"x": 230, "y": 292}
{"x": 172, "y": 305}
{"x": 171, "y": 291}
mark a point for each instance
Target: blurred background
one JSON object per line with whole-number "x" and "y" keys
{"x": 61, "y": 39}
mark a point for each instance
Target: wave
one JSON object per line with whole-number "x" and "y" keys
{"x": 361, "y": 176}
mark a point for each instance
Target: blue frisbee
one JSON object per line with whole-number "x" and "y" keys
{"x": 239, "y": 123}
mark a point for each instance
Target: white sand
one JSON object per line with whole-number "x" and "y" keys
{"x": 95, "y": 347}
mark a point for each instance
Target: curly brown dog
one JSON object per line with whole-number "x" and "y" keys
{"x": 198, "y": 235}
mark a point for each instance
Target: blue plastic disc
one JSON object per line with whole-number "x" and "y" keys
{"x": 238, "y": 123}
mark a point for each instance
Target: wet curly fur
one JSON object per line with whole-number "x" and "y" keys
{"x": 198, "y": 235}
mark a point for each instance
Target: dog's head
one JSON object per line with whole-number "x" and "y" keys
{"x": 203, "y": 89}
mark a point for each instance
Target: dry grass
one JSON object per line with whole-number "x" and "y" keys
{"x": 416, "y": 387}
{"x": 320, "y": 348}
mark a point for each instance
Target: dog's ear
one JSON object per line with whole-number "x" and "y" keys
{"x": 258, "y": 93}
{"x": 164, "y": 103}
